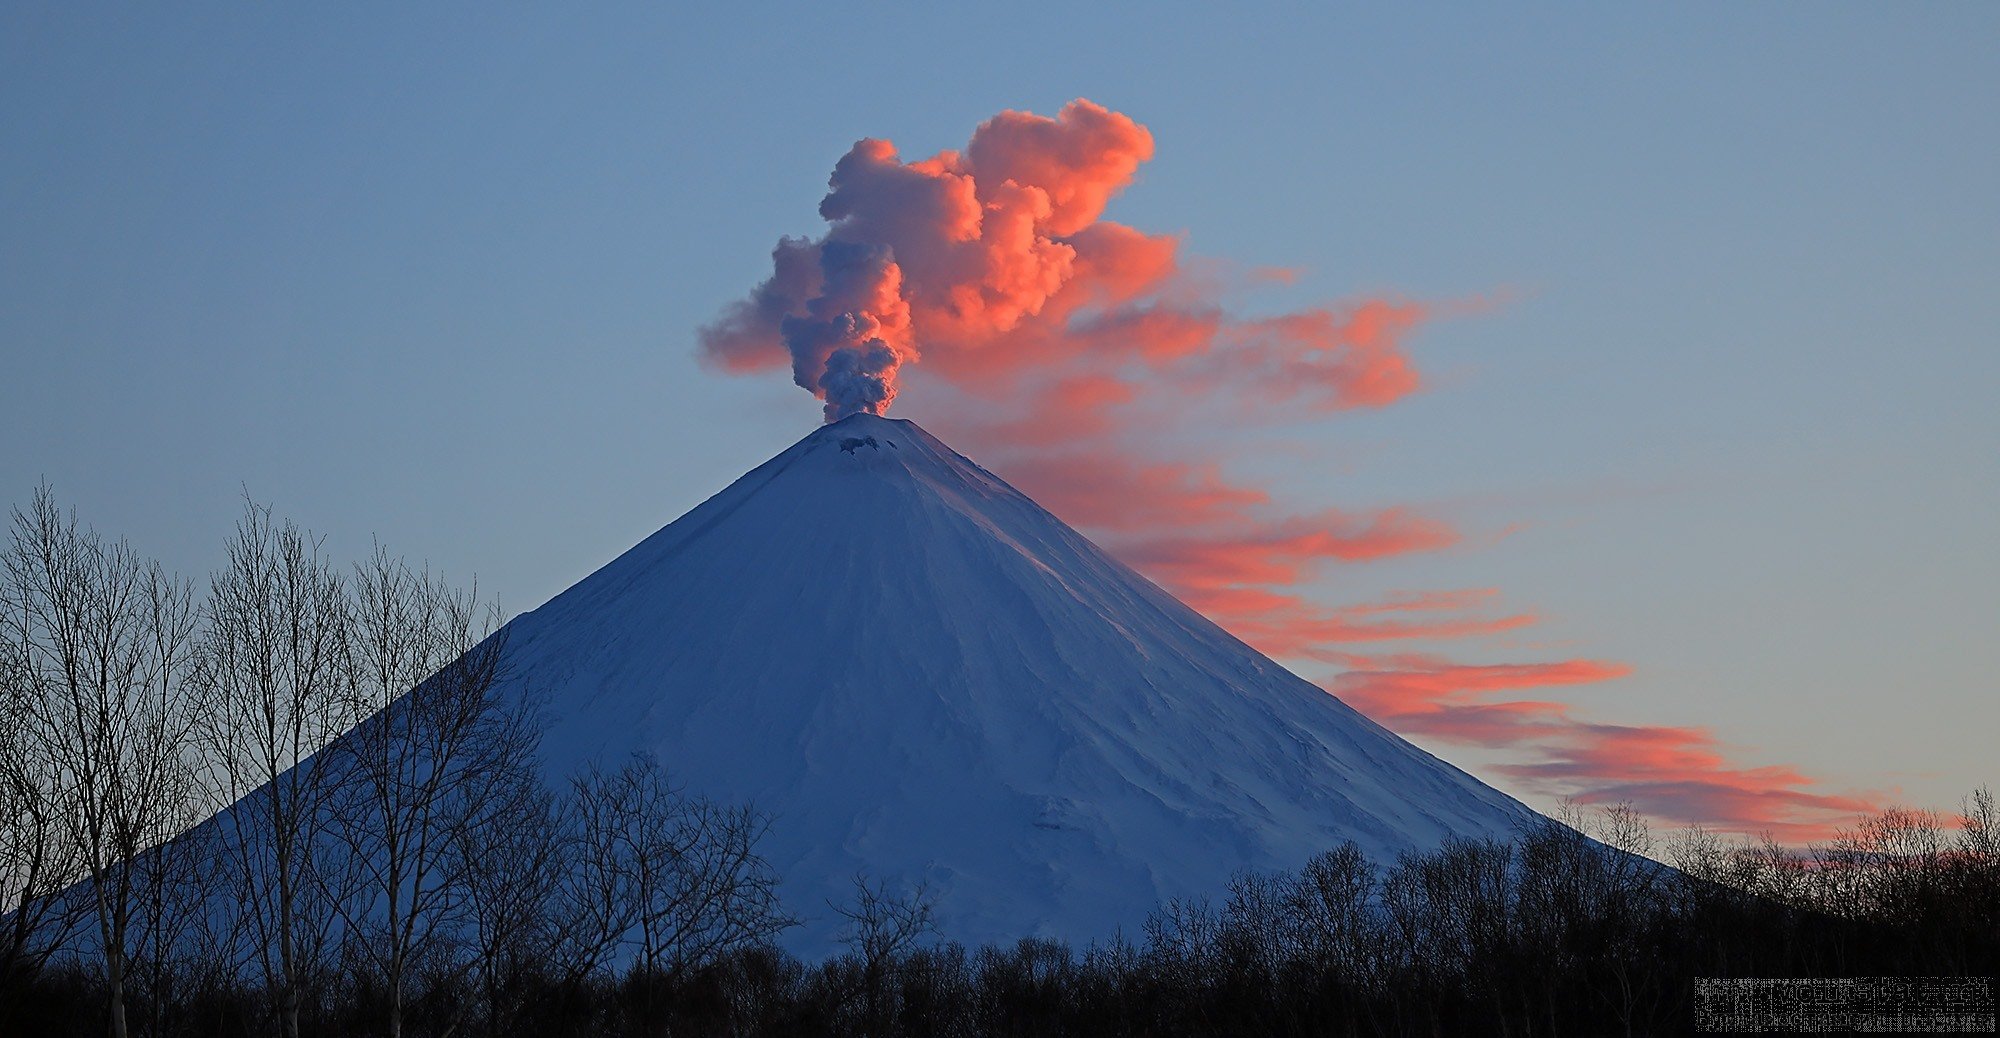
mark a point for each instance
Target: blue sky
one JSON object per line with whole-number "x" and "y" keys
{"x": 435, "y": 277}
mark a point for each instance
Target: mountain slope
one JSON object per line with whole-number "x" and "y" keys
{"x": 922, "y": 674}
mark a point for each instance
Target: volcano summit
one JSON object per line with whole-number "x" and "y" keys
{"x": 920, "y": 674}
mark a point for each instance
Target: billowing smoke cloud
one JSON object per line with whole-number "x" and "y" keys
{"x": 950, "y": 252}
{"x": 994, "y": 263}
{"x": 1068, "y": 349}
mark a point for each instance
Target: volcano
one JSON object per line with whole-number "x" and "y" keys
{"x": 922, "y": 675}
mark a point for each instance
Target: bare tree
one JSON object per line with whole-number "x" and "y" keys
{"x": 688, "y": 865}
{"x": 1978, "y": 859}
{"x": 172, "y": 933}
{"x": 37, "y": 861}
{"x": 1585, "y": 884}
{"x": 1261, "y": 930}
{"x": 513, "y": 875}
{"x": 1184, "y": 938}
{"x": 273, "y": 690}
{"x": 883, "y": 926}
{"x": 599, "y": 898}
{"x": 421, "y": 775}
{"x": 104, "y": 642}
{"x": 1330, "y": 905}
{"x": 1979, "y": 827}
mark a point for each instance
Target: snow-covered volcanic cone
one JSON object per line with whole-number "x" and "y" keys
{"x": 922, "y": 674}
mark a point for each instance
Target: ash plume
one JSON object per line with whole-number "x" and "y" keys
{"x": 952, "y": 251}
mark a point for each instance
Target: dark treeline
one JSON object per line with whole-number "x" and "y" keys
{"x": 418, "y": 875}
{"x": 1544, "y": 934}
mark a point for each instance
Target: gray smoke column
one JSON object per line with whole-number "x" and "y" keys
{"x": 854, "y": 334}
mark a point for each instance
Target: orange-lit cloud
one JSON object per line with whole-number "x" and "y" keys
{"x": 1335, "y": 359}
{"x": 1077, "y": 407}
{"x": 1287, "y": 551}
{"x": 1289, "y": 626}
{"x": 1073, "y": 350}
{"x": 1002, "y": 266}
{"x": 1676, "y": 775}
{"x": 1108, "y": 491}
{"x": 1435, "y": 697}
{"x": 1681, "y": 775}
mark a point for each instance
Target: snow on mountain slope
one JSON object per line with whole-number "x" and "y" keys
{"x": 921, "y": 674}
